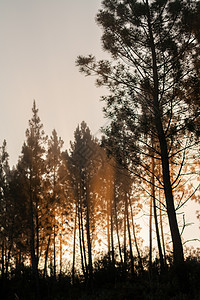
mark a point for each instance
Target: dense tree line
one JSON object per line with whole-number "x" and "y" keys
{"x": 56, "y": 198}
{"x": 73, "y": 213}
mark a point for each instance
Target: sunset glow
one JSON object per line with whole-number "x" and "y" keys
{"x": 100, "y": 149}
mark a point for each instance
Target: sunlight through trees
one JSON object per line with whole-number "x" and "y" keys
{"x": 74, "y": 215}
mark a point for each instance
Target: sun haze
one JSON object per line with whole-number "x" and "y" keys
{"x": 40, "y": 41}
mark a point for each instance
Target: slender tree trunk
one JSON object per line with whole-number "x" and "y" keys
{"x": 83, "y": 242}
{"x": 46, "y": 256}
{"x": 117, "y": 230}
{"x": 80, "y": 243}
{"x": 19, "y": 262}
{"x": 112, "y": 196}
{"x": 125, "y": 251}
{"x": 176, "y": 238}
{"x": 8, "y": 257}
{"x": 108, "y": 226}
{"x": 51, "y": 265}
{"x": 61, "y": 244}
{"x": 161, "y": 225}
{"x": 2, "y": 260}
{"x": 155, "y": 213}
{"x": 129, "y": 236}
{"x": 81, "y": 195}
{"x": 162, "y": 234}
{"x": 37, "y": 232}
{"x": 32, "y": 242}
{"x": 135, "y": 238}
{"x": 112, "y": 238}
{"x": 74, "y": 247}
{"x": 54, "y": 248}
{"x": 88, "y": 235}
{"x": 61, "y": 255}
{"x": 37, "y": 240}
{"x": 89, "y": 247}
{"x": 150, "y": 236}
{"x": 54, "y": 219}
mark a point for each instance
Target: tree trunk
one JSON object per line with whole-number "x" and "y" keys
{"x": 162, "y": 235}
{"x": 32, "y": 242}
{"x": 88, "y": 236}
{"x": 129, "y": 236}
{"x": 80, "y": 243}
{"x": 161, "y": 225}
{"x": 61, "y": 244}
{"x": 125, "y": 251}
{"x": 117, "y": 230}
{"x": 108, "y": 226}
{"x": 83, "y": 242}
{"x": 74, "y": 248}
{"x": 8, "y": 257}
{"x": 112, "y": 238}
{"x": 176, "y": 238}
{"x": 37, "y": 235}
{"x": 135, "y": 238}
{"x": 54, "y": 248}
{"x": 155, "y": 214}
{"x": 2, "y": 260}
{"x": 46, "y": 256}
{"x": 150, "y": 236}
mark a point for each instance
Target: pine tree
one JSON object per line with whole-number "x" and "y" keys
{"x": 6, "y": 212}
{"x": 32, "y": 166}
{"x": 153, "y": 46}
{"x": 55, "y": 204}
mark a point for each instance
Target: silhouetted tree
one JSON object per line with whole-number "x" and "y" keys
{"x": 32, "y": 165}
{"x": 82, "y": 159}
{"x": 56, "y": 205}
{"x": 154, "y": 51}
{"x": 6, "y": 212}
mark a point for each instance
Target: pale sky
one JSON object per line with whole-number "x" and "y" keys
{"x": 40, "y": 41}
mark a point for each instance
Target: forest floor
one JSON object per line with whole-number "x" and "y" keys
{"x": 181, "y": 283}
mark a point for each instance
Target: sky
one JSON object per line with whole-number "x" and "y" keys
{"x": 39, "y": 43}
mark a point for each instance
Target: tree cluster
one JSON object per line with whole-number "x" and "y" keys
{"x": 74, "y": 212}
{"x": 153, "y": 79}
{"x": 62, "y": 210}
